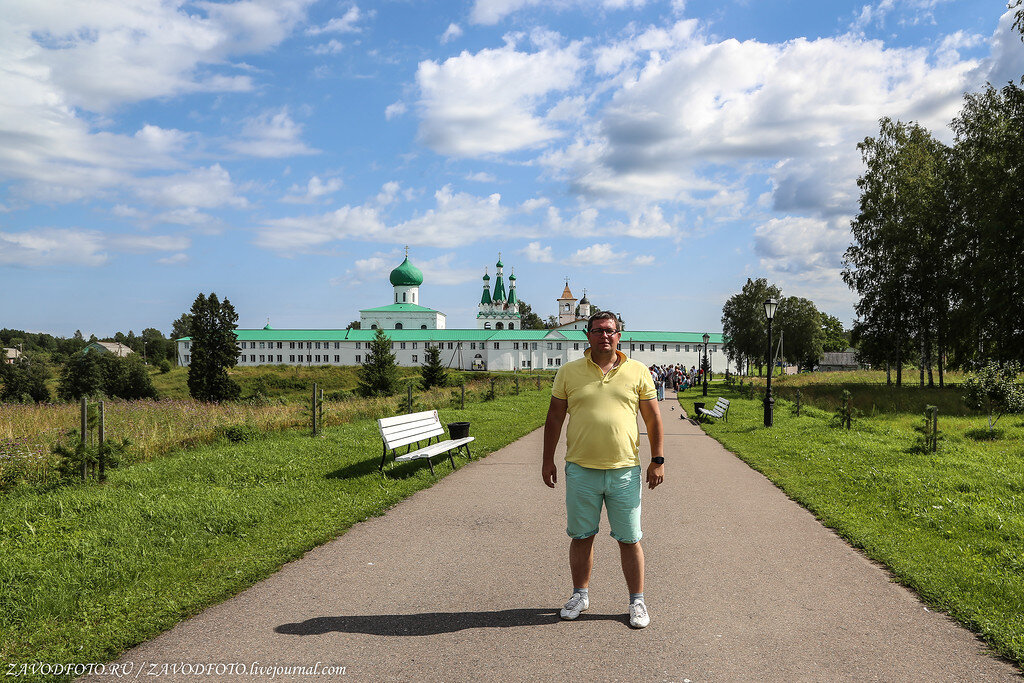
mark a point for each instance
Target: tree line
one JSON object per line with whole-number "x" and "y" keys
{"x": 938, "y": 243}
{"x": 804, "y": 331}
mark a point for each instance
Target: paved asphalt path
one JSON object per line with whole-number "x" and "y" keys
{"x": 463, "y": 581}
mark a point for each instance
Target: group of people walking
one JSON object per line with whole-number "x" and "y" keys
{"x": 675, "y": 377}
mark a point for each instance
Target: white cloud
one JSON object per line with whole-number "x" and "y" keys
{"x": 173, "y": 260}
{"x": 482, "y": 177}
{"x": 804, "y": 256}
{"x": 643, "y": 261}
{"x": 46, "y": 247}
{"x": 343, "y": 24}
{"x": 441, "y": 271}
{"x": 909, "y": 12}
{"x": 204, "y": 188}
{"x": 395, "y": 109}
{"x": 315, "y": 190}
{"x": 451, "y": 33}
{"x": 271, "y": 134}
{"x": 140, "y": 244}
{"x": 457, "y": 219}
{"x": 596, "y": 255}
{"x": 64, "y": 60}
{"x": 493, "y": 11}
{"x": 693, "y": 118}
{"x": 372, "y": 269}
{"x": 489, "y": 102}
{"x": 536, "y": 253}
{"x": 331, "y": 47}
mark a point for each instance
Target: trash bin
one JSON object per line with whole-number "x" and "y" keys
{"x": 458, "y": 430}
{"x": 697, "y": 405}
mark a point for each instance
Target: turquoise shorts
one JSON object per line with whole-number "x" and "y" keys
{"x": 586, "y": 489}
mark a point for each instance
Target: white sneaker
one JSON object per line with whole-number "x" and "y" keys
{"x": 638, "y": 616}
{"x": 577, "y": 603}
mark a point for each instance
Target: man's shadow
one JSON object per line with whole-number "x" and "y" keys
{"x": 432, "y": 623}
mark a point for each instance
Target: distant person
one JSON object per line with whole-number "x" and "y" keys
{"x": 602, "y": 393}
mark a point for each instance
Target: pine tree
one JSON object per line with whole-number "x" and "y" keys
{"x": 214, "y": 349}
{"x": 378, "y": 375}
{"x": 433, "y": 371}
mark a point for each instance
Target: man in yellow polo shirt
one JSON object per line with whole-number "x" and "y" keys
{"x": 602, "y": 393}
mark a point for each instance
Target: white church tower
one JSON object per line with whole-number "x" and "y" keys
{"x": 567, "y": 306}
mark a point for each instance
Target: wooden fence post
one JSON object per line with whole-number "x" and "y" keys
{"x": 102, "y": 438}
{"x": 85, "y": 434}
{"x": 313, "y": 406}
{"x": 408, "y": 405}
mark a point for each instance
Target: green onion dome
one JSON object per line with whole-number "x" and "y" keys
{"x": 406, "y": 275}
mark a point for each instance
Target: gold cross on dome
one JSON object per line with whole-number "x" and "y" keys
{"x": 407, "y": 251}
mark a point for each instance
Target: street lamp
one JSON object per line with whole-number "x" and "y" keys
{"x": 707, "y": 365}
{"x": 769, "y": 403}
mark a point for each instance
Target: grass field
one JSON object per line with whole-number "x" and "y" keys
{"x": 88, "y": 571}
{"x": 949, "y": 524}
{"x": 28, "y": 432}
{"x": 869, "y": 392}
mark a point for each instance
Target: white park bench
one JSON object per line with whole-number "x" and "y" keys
{"x": 414, "y": 432}
{"x": 721, "y": 409}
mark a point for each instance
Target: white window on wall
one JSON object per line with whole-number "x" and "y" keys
{"x": 337, "y": 358}
{"x": 576, "y": 346}
{"x": 357, "y": 345}
{"x": 359, "y": 358}
{"x": 188, "y": 359}
{"x": 415, "y": 344}
{"x": 714, "y": 349}
{"x": 401, "y": 345}
{"x": 279, "y": 358}
{"x": 252, "y": 358}
{"x": 551, "y": 361}
{"x": 497, "y": 345}
{"x": 558, "y": 345}
{"x": 664, "y": 347}
{"x": 263, "y": 358}
{"x": 534, "y": 346}
{"x": 558, "y": 361}
{"x": 291, "y": 345}
{"x": 415, "y": 358}
{"x": 549, "y": 346}
{"x": 677, "y": 348}
{"x": 291, "y": 358}
{"x": 515, "y": 346}
{"x": 687, "y": 348}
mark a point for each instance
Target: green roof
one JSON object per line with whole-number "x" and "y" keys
{"x": 406, "y": 275}
{"x": 465, "y": 335}
{"x": 398, "y": 308}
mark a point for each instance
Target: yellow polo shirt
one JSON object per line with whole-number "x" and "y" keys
{"x": 602, "y": 432}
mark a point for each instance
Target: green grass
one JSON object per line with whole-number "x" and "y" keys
{"x": 89, "y": 571}
{"x": 869, "y": 392}
{"x": 949, "y": 525}
{"x": 294, "y": 383}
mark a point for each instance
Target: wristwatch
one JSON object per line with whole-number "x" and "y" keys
{"x": 658, "y": 460}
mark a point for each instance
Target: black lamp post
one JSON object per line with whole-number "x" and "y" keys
{"x": 769, "y": 403}
{"x": 707, "y": 365}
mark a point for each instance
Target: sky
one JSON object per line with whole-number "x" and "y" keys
{"x": 283, "y": 153}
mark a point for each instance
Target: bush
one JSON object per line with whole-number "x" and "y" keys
{"x": 994, "y": 390}
{"x": 164, "y": 366}
{"x": 241, "y": 433}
